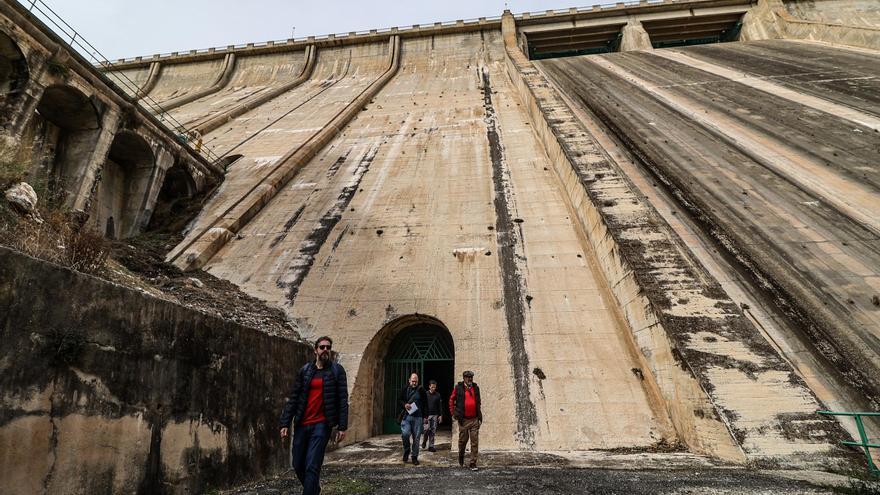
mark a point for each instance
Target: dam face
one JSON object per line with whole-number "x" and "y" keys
{"x": 643, "y": 227}
{"x": 408, "y": 181}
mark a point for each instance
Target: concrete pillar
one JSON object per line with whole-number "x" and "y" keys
{"x": 16, "y": 114}
{"x": 634, "y": 37}
{"x": 150, "y": 191}
{"x": 508, "y": 28}
{"x": 82, "y": 188}
{"x": 761, "y": 23}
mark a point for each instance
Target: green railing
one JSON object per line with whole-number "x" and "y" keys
{"x": 865, "y": 443}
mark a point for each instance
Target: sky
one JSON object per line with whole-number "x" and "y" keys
{"x": 127, "y": 28}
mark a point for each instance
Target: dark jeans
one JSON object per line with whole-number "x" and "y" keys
{"x": 309, "y": 444}
{"x": 411, "y": 429}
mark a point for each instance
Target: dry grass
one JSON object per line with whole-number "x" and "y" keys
{"x": 58, "y": 239}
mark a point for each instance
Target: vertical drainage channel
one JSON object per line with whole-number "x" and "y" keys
{"x": 512, "y": 281}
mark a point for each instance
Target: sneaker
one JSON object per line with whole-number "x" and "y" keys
{"x": 405, "y": 455}
{"x": 474, "y": 468}
{"x": 415, "y": 462}
{"x": 432, "y": 449}
{"x": 423, "y": 445}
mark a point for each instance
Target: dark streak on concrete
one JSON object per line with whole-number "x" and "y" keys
{"x": 338, "y": 163}
{"x": 311, "y": 245}
{"x": 512, "y": 280}
{"x": 289, "y": 225}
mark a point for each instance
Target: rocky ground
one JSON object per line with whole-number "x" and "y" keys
{"x": 375, "y": 467}
{"x": 47, "y": 231}
{"x": 544, "y": 480}
{"x": 140, "y": 262}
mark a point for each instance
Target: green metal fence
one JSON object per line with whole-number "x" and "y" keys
{"x": 864, "y": 442}
{"x": 407, "y": 355}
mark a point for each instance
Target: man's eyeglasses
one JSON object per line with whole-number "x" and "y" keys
{"x": 325, "y": 347}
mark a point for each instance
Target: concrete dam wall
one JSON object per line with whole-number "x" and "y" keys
{"x": 666, "y": 239}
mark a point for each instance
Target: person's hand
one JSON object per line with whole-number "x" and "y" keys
{"x": 426, "y": 423}
{"x": 440, "y": 420}
{"x": 407, "y": 407}
{"x": 340, "y": 436}
{"x": 284, "y": 432}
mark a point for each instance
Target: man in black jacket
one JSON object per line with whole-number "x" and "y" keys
{"x": 317, "y": 403}
{"x": 412, "y": 400}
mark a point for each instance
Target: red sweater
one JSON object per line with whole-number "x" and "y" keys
{"x": 315, "y": 402}
{"x": 470, "y": 403}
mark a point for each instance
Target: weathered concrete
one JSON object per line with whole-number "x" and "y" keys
{"x": 219, "y": 83}
{"x": 725, "y": 384}
{"x": 241, "y": 197}
{"x": 634, "y": 37}
{"x": 454, "y": 194}
{"x": 839, "y": 22}
{"x": 257, "y": 80}
{"x": 109, "y": 390}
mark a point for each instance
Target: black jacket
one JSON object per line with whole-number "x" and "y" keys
{"x": 403, "y": 399}
{"x": 458, "y": 393}
{"x": 335, "y": 397}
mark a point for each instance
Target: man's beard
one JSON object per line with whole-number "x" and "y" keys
{"x": 324, "y": 357}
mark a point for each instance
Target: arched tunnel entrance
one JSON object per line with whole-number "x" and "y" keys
{"x": 424, "y": 348}
{"x": 121, "y": 192}
{"x": 63, "y": 135}
{"x": 13, "y": 68}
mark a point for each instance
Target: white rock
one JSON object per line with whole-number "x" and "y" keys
{"x": 23, "y": 197}
{"x": 196, "y": 283}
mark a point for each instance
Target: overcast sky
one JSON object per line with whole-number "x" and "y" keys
{"x": 126, "y": 28}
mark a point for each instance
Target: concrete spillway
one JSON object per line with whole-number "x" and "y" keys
{"x": 790, "y": 187}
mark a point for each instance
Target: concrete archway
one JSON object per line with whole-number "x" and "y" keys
{"x": 14, "y": 72}
{"x": 66, "y": 131}
{"x": 368, "y": 397}
{"x": 171, "y": 204}
{"x": 125, "y": 180}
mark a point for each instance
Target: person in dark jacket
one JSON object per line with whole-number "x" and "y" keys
{"x": 412, "y": 400}
{"x": 465, "y": 407}
{"x": 433, "y": 415}
{"x": 318, "y": 402}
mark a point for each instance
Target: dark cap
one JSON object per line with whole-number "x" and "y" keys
{"x": 468, "y": 373}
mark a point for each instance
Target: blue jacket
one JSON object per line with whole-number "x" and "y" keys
{"x": 335, "y": 397}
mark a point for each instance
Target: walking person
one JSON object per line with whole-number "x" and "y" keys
{"x": 464, "y": 405}
{"x": 433, "y": 415}
{"x": 412, "y": 400}
{"x": 318, "y": 402}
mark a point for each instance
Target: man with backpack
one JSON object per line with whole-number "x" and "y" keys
{"x": 464, "y": 406}
{"x": 318, "y": 402}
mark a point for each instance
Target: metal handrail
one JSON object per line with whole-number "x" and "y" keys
{"x": 865, "y": 443}
{"x": 79, "y": 44}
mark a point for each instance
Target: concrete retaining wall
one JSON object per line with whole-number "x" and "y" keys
{"x": 108, "y": 390}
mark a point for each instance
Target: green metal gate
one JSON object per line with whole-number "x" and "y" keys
{"x": 407, "y": 355}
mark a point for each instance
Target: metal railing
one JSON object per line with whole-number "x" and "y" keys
{"x": 117, "y": 79}
{"x": 864, "y": 443}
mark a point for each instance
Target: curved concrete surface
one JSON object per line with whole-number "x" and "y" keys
{"x": 267, "y": 136}
{"x": 179, "y": 80}
{"x": 252, "y": 75}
